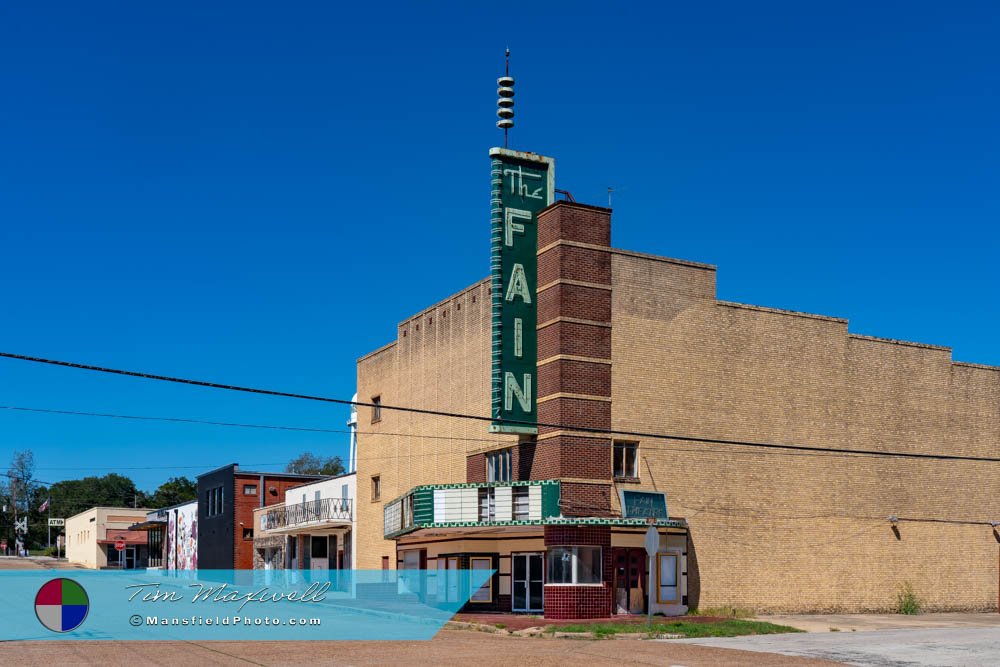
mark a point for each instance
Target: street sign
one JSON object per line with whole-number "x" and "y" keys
{"x": 57, "y": 522}
{"x": 3, "y": 545}
{"x": 21, "y": 526}
{"x": 120, "y": 545}
{"x": 652, "y": 541}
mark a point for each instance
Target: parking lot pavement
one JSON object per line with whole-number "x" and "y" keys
{"x": 912, "y": 647}
{"x": 864, "y": 622}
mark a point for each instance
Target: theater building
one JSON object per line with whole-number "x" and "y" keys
{"x": 621, "y": 392}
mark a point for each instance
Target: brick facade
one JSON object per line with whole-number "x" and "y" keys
{"x": 274, "y": 488}
{"x": 574, "y": 353}
{"x": 591, "y": 601}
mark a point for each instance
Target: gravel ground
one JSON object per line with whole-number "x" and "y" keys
{"x": 450, "y": 647}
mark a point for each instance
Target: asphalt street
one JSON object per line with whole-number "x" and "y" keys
{"x": 912, "y": 647}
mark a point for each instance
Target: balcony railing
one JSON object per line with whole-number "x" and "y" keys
{"x": 309, "y": 512}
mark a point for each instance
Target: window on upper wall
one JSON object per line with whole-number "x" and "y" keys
{"x": 498, "y": 466}
{"x": 574, "y": 565}
{"x": 376, "y": 488}
{"x": 376, "y": 409}
{"x": 626, "y": 460}
{"x": 214, "y": 501}
{"x": 248, "y": 533}
{"x": 249, "y": 489}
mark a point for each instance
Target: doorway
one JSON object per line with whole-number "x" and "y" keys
{"x": 527, "y": 582}
{"x": 630, "y": 579}
{"x": 319, "y": 552}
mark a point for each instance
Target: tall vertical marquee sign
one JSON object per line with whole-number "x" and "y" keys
{"x": 522, "y": 185}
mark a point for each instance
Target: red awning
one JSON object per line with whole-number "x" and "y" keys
{"x": 127, "y": 536}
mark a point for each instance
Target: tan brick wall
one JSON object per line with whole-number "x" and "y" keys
{"x": 440, "y": 361}
{"x": 787, "y": 531}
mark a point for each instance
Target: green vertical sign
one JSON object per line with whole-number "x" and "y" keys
{"x": 522, "y": 185}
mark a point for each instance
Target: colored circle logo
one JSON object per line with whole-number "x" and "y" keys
{"x": 61, "y": 605}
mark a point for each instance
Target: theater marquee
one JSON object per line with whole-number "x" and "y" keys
{"x": 522, "y": 185}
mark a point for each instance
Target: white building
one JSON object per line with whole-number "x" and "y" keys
{"x": 314, "y": 528}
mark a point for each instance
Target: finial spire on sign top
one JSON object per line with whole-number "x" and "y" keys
{"x": 505, "y": 103}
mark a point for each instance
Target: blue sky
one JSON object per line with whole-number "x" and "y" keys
{"x": 256, "y": 193}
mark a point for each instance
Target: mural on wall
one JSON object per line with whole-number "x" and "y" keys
{"x": 182, "y": 538}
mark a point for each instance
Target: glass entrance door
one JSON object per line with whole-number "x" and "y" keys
{"x": 527, "y": 582}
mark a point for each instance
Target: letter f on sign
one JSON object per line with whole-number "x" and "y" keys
{"x": 509, "y": 226}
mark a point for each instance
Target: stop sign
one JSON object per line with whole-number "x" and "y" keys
{"x": 120, "y": 545}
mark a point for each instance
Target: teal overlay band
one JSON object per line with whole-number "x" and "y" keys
{"x": 242, "y": 605}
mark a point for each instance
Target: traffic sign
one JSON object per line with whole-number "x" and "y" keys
{"x": 21, "y": 525}
{"x": 120, "y": 545}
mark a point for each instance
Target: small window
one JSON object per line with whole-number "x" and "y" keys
{"x": 376, "y": 409}
{"x": 626, "y": 463}
{"x": 376, "y": 488}
{"x": 249, "y": 489}
{"x": 498, "y": 466}
{"x": 668, "y": 578}
{"x": 521, "y": 501}
{"x": 247, "y": 533}
{"x": 574, "y": 565}
{"x": 485, "y": 592}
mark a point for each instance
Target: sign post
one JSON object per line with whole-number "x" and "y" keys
{"x": 120, "y": 547}
{"x": 652, "y": 548}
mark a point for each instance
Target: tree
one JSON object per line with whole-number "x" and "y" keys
{"x": 73, "y": 496}
{"x": 308, "y": 463}
{"x": 174, "y": 491}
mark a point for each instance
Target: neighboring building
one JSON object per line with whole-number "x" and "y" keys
{"x": 640, "y": 344}
{"x": 314, "y": 528}
{"x": 91, "y": 537}
{"x": 172, "y": 536}
{"x": 226, "y": 501}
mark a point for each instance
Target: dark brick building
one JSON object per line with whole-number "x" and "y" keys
{"x": 227, "y": 498}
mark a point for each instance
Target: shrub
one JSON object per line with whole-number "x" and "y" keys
{"x": 907, "y": 601}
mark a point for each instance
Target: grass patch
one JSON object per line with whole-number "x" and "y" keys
{"x": 727, "y": 628}
{"x": 723, "y": 612}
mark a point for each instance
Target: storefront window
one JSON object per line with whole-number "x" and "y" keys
{"x": 575, "y": 565}
{"x": 668, "y": 577}
{"x": 485, "y": 592}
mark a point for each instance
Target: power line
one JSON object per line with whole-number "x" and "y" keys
{"x": 456, "y": 415}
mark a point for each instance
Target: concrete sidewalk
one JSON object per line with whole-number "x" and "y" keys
{"x": 868, "y": 622}
{"x": 968, "y": 646}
